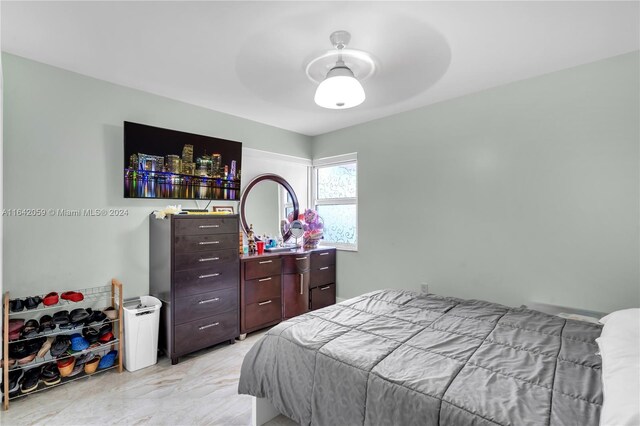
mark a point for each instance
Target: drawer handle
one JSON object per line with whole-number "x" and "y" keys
{"x": 204, "y": 243}
{"x": 265, "y": 261}
{"x": 208, "y": 276}
{"x": 322, "y": 269}
{"x": 208, "y": 226}
{"x": 301, "y": 258}
{"x": 324, "y": 254}
{"x": 325, "y": 288}
{"x": 208, "y": 259}
{"x": 265, "y": 303}
{"x": 202, "y": 302}
{"x": 264, "y": 279}
{"x": 207, "y": 326}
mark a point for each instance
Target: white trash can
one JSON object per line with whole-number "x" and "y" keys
{"x": 141, "y": 324}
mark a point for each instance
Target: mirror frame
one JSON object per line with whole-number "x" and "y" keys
{"x": 274, "y": 178}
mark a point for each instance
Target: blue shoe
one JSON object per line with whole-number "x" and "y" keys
{"x": 78, "y": 343}
{"x": 107, "y": 360}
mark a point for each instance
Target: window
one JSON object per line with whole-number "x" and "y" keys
{"x": 334, "y": 188}
{"x": 285, "y": 203}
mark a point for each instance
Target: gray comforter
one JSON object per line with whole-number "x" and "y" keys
{"x": 399, "y": 358}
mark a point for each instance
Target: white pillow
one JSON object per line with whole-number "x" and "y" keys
{"x": 620, "y": 351}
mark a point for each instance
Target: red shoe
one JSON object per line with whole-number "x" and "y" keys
{"x": 73, "y": 296}
{"x": 107, "y": 337}
{"x": 50, "y": 299}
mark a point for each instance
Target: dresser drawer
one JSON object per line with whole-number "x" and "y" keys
{"x": 262, "y": 313}
{"x": 200, "y": 226}
{"x": 196, "y": 243}
{"x": 204, "y": 259}
{"x": 296, "y": 263}
{"x": 187, "y": 283}
{"x": 205, "y": 332}
{"x": 323, "y": 296}
{"x": 323, "y": 275}
{"x": 204, "y": 305}
{"x": 262, "y": 268}
{"x": 262, "y": 289}
{"x": 322, "y": 258}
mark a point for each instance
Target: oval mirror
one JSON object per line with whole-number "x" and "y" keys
{"x": 266, "y": 201}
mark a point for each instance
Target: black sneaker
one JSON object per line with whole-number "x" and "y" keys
{"x": 50, "y": 374}
{"x": 18, "y": 350}
{"x": 34, "y": 345}
{"x": 95, "y": 317}
{"x": 16, "y": 305}
{"x": 30, "y": 380}
{"x": 32, "y": 302}
{"x": 91, "y": 334}
{"x": 30, "y": 329}
{"x": 14, "y": 380}
{"x": 105, "y": 329}
{"x": 61, "y": 317}
{"x": 46, "y": 324}
{"x": 79, "y": 315}
{"x": 60, "y": 345}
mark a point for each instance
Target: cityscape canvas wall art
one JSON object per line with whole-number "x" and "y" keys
{"x": 163, "y": 163}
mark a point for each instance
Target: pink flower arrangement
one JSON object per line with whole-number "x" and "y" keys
{"x": 313, "y": 226}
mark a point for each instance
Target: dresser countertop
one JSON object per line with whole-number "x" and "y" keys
{"x": 267, "y": 254}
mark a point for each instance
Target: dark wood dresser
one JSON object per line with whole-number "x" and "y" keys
{"x": 323, "y": 279}
{"x": 194, "y": 271}
{"x": 279, "y": 286}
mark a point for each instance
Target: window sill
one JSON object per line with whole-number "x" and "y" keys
{"x": 341, "y": 247}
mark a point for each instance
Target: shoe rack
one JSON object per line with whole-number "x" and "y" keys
{"x": 92, "y": 296}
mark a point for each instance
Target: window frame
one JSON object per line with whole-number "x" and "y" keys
{"x": 315, "y": 202}
{"x": 283, "y": 203}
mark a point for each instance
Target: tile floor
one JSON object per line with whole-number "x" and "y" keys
{"x": 200, "y": 390}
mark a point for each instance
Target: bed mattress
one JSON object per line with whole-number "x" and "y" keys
{"x": 395, "y": 357}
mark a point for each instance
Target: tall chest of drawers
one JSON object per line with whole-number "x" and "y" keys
{"x": 194, "y": 271}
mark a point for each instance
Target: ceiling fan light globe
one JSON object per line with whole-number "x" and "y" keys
{"x": 339, "y": 92}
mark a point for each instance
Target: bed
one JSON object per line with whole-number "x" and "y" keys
{"x": 395, "y": 357}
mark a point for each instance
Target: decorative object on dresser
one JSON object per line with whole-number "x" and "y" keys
{"x": 50, "y": 344}
{"x": 309, "y": 225}
{"x": 278, "y": 286}
{"x": 251, "y": 241}
{"x": 296, "y": 229}
{"x": 193, "y": 270}
{"x": 222, "y": 209}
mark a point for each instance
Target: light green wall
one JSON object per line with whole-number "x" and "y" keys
{"x": 525, "y": 192}
{"x": 63, "y": 149}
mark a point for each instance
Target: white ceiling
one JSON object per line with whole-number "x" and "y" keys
{"x": 248, "y": 58}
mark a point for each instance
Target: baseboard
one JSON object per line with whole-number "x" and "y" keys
{"x": 557, "y": 309}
